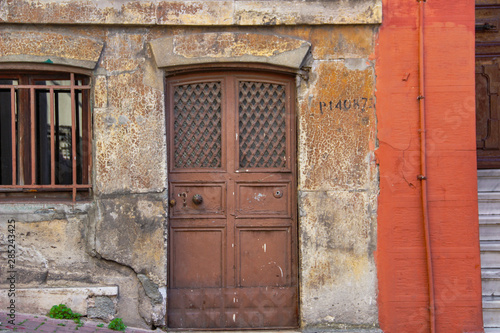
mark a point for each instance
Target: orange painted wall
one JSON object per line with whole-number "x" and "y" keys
{"x": 449, "y": 102}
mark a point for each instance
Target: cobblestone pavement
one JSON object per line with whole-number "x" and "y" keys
{"x": 26, "y": 323}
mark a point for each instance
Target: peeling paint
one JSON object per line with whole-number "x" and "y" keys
{"x": 337, "y": 128}
{"x": 357, "y": 64}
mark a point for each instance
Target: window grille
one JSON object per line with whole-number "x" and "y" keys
{"x": 45, "y": 147}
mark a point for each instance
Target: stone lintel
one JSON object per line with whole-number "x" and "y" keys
{"x": 49, "y": 48}
{"x": 227, "y": 47}
{"x": 48, "y": 60}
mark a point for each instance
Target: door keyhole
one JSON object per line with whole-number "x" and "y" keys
{"x": 183, "y": 195}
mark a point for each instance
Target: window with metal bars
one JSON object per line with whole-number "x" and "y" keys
{"x": 45, "y": 131}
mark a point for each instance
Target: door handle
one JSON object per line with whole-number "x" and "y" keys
{"x": 197, "y": 199}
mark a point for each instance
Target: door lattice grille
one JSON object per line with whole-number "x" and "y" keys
{"x": 197, "y": 125}
{"x": 262, "y": 125}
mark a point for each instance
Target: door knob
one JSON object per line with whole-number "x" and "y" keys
{"x": 197, "y": 199}
{"x": 172, "y": 203}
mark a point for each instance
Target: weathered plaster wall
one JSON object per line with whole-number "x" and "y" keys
{"x": 338, "y": 189}
{"x": 119, "y": 238}
{"x": 128, "y": 117}
{"x": 52, "y": 251}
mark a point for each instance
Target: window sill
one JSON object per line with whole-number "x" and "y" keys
{"x": 43, "y": 211}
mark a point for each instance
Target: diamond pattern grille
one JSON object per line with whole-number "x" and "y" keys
{"x": 262, "y": 125}
{"x": 197, "y": 125}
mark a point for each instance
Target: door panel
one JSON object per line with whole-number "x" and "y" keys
{"x": 259, "y": 199}
{"x": 233, "y": 308}
{"x": 187, "y": 196}
{"x": 195, "y": 307}
{"x": 200, "y": 248}
{"x": 232, "y": 233}
{"x": 263, "y": 257}
{"x": 258, "y": 307}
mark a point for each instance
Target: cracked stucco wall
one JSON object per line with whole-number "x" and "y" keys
{"x": 120, "y": 237}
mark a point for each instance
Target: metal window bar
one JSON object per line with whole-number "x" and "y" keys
{"x": 87, "y": 121}
{"x": 33, "y": 186}
{"x": 73, "y": 133}
{"x": 52, "y": 141}
{"x": 32, "y": 136}
{"x": 13, "y": 133}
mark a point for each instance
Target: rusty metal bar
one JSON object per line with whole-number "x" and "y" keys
{"x": 40, "y": 87}
{"x": 86, "y": 129}
{"x": 69, "y": 187}
{"x": 32, "y": 134}
{"x": 73, "y": 133}
{"x": 13, "y": 134}
{"x": 52, "y": 148}
{"x": 88, "y": 116}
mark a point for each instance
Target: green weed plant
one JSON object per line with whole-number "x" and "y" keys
{"x": 61, "y": 311}
{"x": 117, "y": 325}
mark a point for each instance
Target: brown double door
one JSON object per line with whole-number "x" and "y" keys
{"x": 487, "y": 86}
{"x": 232, "y": 225}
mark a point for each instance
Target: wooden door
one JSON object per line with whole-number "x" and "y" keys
{"x": 487, "y": 116}
{"x": 232, "y": 226}
{"x": 487, "y": 85}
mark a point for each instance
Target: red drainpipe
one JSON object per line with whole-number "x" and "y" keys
{"x": 423, "y": 166}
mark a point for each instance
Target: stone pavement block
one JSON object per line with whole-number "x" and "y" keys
{"x": 28, "y": 323}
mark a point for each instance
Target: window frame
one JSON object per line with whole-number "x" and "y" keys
{"x": 22, "y": 101}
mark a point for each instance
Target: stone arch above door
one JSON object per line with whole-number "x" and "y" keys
{"x": 229, "y": 47}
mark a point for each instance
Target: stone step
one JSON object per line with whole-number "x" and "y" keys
{"x": 490, "y": 254}
{"x": 492, "y": 330}
{"x": 489, "y": 203}
{"x": 490, "y": 279}
{"x": 488, "y": 180}
{"x": 491, "y": 311}
{"x": 489, "y": 227}
{"x": 488, "y": 183}
{"x": 489, "y": 219}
